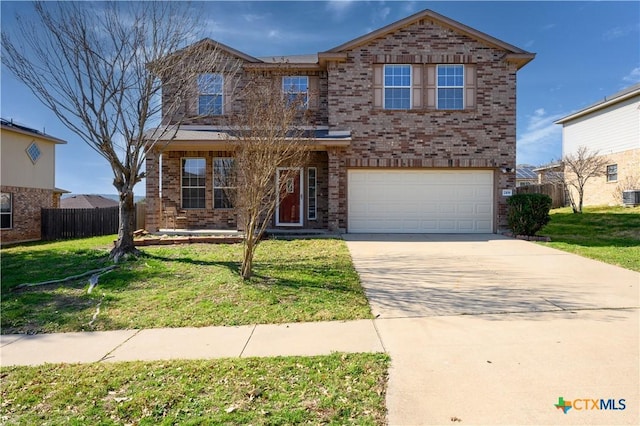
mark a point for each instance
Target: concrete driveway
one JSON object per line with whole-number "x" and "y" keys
{"x": 484, "y": 329}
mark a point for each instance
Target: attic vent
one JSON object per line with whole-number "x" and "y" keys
{"x": 33, "y": 151}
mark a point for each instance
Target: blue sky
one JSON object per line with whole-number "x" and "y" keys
{"x": 585, "y": 51}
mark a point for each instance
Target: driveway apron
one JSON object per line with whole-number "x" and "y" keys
{"x": 484, "y": 329}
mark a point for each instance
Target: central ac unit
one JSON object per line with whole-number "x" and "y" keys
{"x": 631, "y": 198}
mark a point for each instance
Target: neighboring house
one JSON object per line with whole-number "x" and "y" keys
{"x": 27, "y": 180}
{"x": 87, "y": 202}
{"x": 414, "y": 131}
{"x": 612, "y": 128}
{"x": 525, "y": 175}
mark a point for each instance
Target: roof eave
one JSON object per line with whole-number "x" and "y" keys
{"x": 519, "y": 59}
{"x": 443, "y": 20}
{"x": 596, "y": 107}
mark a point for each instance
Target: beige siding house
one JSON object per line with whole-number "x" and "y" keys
{"x": 611, "y": 127}
{"x": 27, "y": 180}
{"x": 413, "y": 128}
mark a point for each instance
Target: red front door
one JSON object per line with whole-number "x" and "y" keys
{"x": 290, "y": 206}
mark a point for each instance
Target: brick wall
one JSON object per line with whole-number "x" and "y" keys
{"x": 27, "y": 203}
{"x": 208, "y": 217}
{"x": 482, "y": 137}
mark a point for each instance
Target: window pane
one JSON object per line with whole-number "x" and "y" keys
{"x": 5, "y": 221}
{"x": 450, "y": 86}
{"x": 296, "y": 89}
{"x": 210, "y": 83}
{"x": 397, "y": 98}
{"x": 312, "y": 199}
{"x": 222, "y": 198}
{"x": 450, "y": 99}
{"x": 193, "y": 183}
{"x": 210, "y": 91}
{"x": 5, "y": 202}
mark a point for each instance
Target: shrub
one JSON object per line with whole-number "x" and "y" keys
{"x": 528, "y": 213}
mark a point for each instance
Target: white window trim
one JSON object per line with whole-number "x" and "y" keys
{"x": 221, "y": 94}
{"x": 182, "y": 183}
{"x": 384, "y": 87}
{"x": 286, "y": 91}
{"x": 315, "y": 193}
{"x": 607, "y": 173}
{"x": 464, "y": 100}
{"x": 219, "y": 187}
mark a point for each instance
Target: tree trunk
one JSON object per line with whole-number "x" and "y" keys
{"x": 249, "y": 247}
{"x": 127, "y": 212}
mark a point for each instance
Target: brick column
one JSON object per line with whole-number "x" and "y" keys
{"x": 334, "y": 189}
{"x": 154, "y": 203}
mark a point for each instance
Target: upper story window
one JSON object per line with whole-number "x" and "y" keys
{"x": 397, "y": 86}
{"x": 193, "y": 183}
{"x": 296, "y": 89}
{"x": 210, "y": 94}
{"x": 612, "y": 173}
{"x": 450, "y": 87}
{"x": 33, "y": 151}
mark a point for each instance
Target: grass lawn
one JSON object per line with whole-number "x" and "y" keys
{"x": 177, "y": 286}
{"x": 608, "y": 234}
{"x": 335, "y": 389}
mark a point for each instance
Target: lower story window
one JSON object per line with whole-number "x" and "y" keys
{"x": 223, "y": 183}
{"x": 612, "y": 173}
{"x": 193, "y": 183}
{"x": 6, "y": 210}
{"x": 312, "y": 182}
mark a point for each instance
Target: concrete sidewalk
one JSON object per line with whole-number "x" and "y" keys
{"x": 318, "y": 338}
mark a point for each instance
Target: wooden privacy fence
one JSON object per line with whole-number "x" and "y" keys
{"x": 553, "y": 190}
{"x": 78, "y": 223}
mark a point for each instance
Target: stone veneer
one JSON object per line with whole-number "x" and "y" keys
{"x": 27, "y": 203}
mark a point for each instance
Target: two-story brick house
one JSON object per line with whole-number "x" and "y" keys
{"x": 412, "y": 128}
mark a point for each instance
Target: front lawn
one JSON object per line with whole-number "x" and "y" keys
{"x": 335, "y": 389}
{"x": 178, "y": 286}
{"x": 608, "y": 234}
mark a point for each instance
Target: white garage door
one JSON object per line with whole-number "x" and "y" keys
{"x": 419, "y": 201}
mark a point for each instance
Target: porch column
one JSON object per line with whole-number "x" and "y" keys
{"x": 334, "y": 189}
{"x": 154, "y": 204}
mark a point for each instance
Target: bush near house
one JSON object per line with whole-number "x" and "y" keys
{"x": 528, "y": 213}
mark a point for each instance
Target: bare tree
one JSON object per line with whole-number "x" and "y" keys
{"x": 268, "y": 136}
{"x": 579, "y": 168}
{"x": 101, "y": 67}
{"x": 628, "y": 183}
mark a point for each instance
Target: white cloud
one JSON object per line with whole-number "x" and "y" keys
{"x": 250, "y": 17}
{"x": 633, "y": 77}
{"x": 339, "y": 8}
{"x": 618, "y": 32}
{"x": 541, "y": 141}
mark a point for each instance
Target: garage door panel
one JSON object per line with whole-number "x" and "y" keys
{"x": 420, "y": 201}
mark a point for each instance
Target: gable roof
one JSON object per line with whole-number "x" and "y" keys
{"x": 620, "y": 96}
{"x": 207, "y": 42}
{"x": 519, "y": 56}
{"x": 87, "y": 202}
